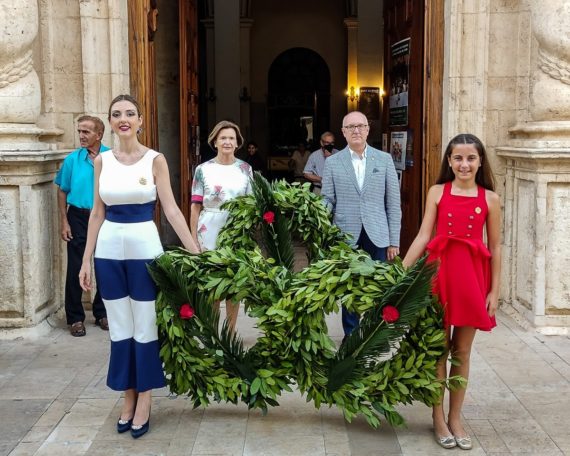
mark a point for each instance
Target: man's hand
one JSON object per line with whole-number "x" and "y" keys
{"x": 66, "y": 231}
{"x": 393, "y": 252}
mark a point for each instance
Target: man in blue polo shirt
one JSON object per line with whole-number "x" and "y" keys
{"x": 75, "y": 200}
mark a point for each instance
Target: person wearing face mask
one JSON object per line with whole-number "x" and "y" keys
{"x": 315, "y": 166}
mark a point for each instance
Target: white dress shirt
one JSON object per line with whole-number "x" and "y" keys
{"x": 359, "y": 164}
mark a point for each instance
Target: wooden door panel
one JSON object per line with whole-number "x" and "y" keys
{"x": 142, "y": 65}
{"x": 189, "y": 129}
{"x": 406, "y": 20}
{"x": 142, "y": 16}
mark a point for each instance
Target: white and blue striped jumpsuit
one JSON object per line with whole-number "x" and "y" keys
{"x": 128, "y": 240}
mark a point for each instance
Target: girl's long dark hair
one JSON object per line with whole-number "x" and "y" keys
{"x": 484, "y": 176}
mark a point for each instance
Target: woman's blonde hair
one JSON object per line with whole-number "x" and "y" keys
{"x": 220, "y": 126}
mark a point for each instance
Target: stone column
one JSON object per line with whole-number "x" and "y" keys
{"x": 210, "y": 95}
{"x": 28, "y": 250}
{"x": 352, "y": 60}
{"x": 227, "y": 59}
{"x": 245, "y": 81}
{"x": 537, "y": 203}
{"x": 19, "y": 84}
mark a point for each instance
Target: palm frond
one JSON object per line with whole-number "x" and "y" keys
{"x": 374, "y": 337}
{"x": 277, "y": 241}
{"x": 262, "y": 191}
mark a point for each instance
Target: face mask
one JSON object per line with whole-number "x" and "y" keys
{"x": 329, "y": 147}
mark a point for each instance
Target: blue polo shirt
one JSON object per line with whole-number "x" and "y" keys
{"x": 76, "y": 178}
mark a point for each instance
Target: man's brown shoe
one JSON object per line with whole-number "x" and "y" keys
{"x": 103, "y": 323}
{"x": 77, "y": 329}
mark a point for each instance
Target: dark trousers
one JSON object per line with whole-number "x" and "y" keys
{"x": 350, "y": 320}
{"x": 78, "y": 220}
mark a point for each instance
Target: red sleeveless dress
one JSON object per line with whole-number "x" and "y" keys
{"x": 463, "y": 279}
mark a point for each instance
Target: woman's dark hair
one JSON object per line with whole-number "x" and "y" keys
{"x": 484, "y": 176}
{"x": 219, "y": 127}
{"x": 125, "y": 97}
{"x": 252, "y": 143}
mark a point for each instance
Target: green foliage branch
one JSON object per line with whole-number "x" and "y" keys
{"x": 381, "y": 365}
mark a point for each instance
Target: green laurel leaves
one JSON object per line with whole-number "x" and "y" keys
{"x": 377, "y": 368}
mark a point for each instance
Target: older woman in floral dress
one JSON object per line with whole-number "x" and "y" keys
{"x": 216, "y": 181}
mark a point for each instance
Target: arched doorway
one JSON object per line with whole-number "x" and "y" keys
{"x": 298, "y": 99}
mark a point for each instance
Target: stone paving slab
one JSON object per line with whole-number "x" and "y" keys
{"x": 54, "y": 401}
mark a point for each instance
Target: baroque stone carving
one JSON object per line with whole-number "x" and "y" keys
{"x": 554, "y": 67}
{"x": 20, "y": 97}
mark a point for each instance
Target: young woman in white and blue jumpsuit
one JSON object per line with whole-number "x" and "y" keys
{"x": 124, "y": 238}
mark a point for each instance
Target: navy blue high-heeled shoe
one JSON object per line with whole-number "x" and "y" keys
{"x": 139, "y": 431}
{"x": 124, "y": 425}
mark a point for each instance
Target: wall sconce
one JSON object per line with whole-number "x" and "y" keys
{"x": 353, "y": 93}
{"x": 244, "y": 95}
{"x": 212, "y": 94}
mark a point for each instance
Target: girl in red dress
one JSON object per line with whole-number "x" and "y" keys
{"x": 462, "y": 203}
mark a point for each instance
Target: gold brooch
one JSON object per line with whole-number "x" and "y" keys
{"x": 477, "y": 210}
{"x": 142, "y": 181}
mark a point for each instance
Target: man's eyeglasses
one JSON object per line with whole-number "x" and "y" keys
{"x": 360, "y": 127}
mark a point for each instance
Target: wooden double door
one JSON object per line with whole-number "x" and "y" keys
{"x": 413, "y": 69}
{"x": 419, "y": 21}
{"x": 142, "y": 61}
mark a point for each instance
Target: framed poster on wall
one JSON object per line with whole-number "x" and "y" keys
{"x": 369, "y": 102}
{"x": 399, "y": 82}
{"x": 398, "y": 141}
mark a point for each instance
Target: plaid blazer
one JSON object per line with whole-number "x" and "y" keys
{"x": 376, "y": 207}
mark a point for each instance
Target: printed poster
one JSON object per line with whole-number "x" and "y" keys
{"x": 398, "y": 141}
{"x": 369, "y": 102}
{"x": 399, "y": 82}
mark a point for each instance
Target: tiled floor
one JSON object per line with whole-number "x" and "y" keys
{"x": 53, "y": 401}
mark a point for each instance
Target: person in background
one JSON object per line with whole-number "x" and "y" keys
{"x": 124, "y": 239}
{"x": 360, "y": 187}
{"x": 315, "y": 166}
{"x": 216, "y": 181}
{"x": 298, "y": 161}
{"x": 74, "y": 201}
{"x": 461, "y": 205}
{"x": 253, "y": 159}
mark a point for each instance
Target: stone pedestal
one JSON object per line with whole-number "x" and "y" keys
{"x": 29, "y": 261}
{"x": 536, "y": 240}
{"x": 30, "y": 280}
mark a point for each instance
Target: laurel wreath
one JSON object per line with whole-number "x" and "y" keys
{"x": 390, "y": 360}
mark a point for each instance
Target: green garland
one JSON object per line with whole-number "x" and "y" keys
{"x": 390, "y": 359}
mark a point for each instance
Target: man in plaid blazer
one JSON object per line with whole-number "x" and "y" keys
{"x": 360, "y": 187}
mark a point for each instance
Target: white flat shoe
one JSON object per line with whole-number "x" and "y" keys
{"x": 464, "y": 443}
{"x": 446, "y": 442}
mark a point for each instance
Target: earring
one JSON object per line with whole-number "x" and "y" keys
{"x": 139, "y": 131}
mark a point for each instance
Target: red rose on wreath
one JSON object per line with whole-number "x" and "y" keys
{"x": 390, "y": 314}
{"x": 186, "y": 311}
{"x": 269, "y": 217}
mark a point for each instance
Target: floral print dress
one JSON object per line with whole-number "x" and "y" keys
{"x": 213, "y": 185}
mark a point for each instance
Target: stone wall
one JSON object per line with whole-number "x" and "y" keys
{"x": 507, "y": 81}
{"x": 58, "y": 60}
